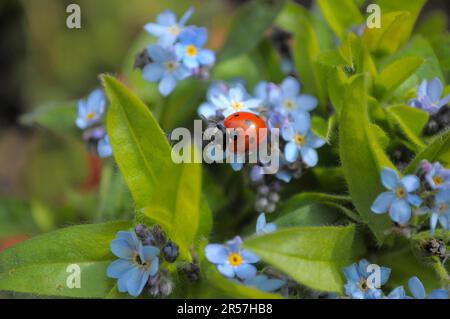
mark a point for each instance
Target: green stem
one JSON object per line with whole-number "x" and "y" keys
{"x": 442, "y": 273}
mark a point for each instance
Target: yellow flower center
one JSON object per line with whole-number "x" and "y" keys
{"x": 191, "y": 50}
{"x": 235, "y": 259}
{"x": 400, "y": 192}
{"x": 363, "y": 285}
{"x": 289, "y": 104}
{"x": 138, "y": 262}
{"x": 438, "y": 180}
{"x": 236, "y": 105}
{"x": 170, "y": 66}
{"x": 174, "y": 30}
{"x": 90, "y": 116}
{"x": 299, "y": 139}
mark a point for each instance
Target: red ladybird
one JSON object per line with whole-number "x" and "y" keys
{"x": 245, "y": 125}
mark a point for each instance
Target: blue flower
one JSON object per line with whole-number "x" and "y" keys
{"x": 231, "y": 260}
{"x": 277, "y": 120}
{"x": 399, "y": 198}
{"x": 418, "y": 291}
{"x": 262, "y": 227}
{"x": 263, "y": 283}
{"x": 441, "y": 210}
{"x": 167, "y": 29}
{"x": 438, "y": 177}
{"x": 288, "y": 99}
{"x": 190, "y": 48}
{"x": 235, "y": 100}
{"x": 136, "y": 263}
{"x": 357, "y": 286}
{"x": 429, "y": 96}
{"x": 104, "y": 148}
{"x": 264, "y": 91}
{"x": 301, "y": 140}
{"x": 91, "y": 110}
{"x": 165, "y": 68}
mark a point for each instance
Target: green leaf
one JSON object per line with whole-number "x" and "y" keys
{"x": 39, "y": 265}
{"x": 410, "y": 120}
{"x": 309, "y": 215}
{"x": 380, "y": 135}
{"x": 394, "y": 75}
{"x": 248, "y": 27}
{"x": 232, "y": 289}
{"x": 295, "y": 19}
{"x": 15, "y": 217}
{"x": 340, "y": 15}
{"x": 387, "y": 39}
{"x": 57, "y": 116}
{"x": 167, "y": 193}
{"x": 313, "y": 256}
{"x": 306, "y": 198}
{"x": 362, "y": 168}
{"x": 319, "y": 127}
{"x": 437, "y": 150}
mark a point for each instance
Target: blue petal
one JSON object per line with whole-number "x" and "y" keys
{"x": 302, "y": 122}
{"x": 155, "y": 29}
{"x": 128, "y": 236}
{"x": 186, "y": 16}
{"x": 411, "y": 183}
{"x": 122, "y": 282}
{"x": 309, "y": 156}
{"x": 206, "y": 110}
{"x": 400, "y": 211}
{"x": 245, "y": 271}
{"x": 414, "y": 200}
{"x": 104, "y": 148}
{"x": 306, "y": 102}
{"x": 154, "y": 267}
{"x": 416, "y": 287}
{"x": 118, "y": 267}
{"x": 438, "y": 294}
{"x": 182, "y": 72}
{"x": 191, "y": 62}
{"x": 153, "y": 72}
{"x": 148, "y": 253}
{"x": 287, "y": 132}
{"x": 157, "y": 53}
{"x": 166, "y": 18}
{"x": 383, "y": 202}
{"x": 362, "y": 267}
{"x": 237, "y": 93}
{"x": 215, "y": 253}
{"x": 260, "y": 223}
{"x": 433, "y": 221}
{"x": 253, "y": 103}
{"x": 249, "y": 257}
{"x": 389, "y": 178}
{"x": 314, "y": 141}
{"x": 226, "y": 270}
{"x": 434, "y": 90}
{"x": 167, "y": 84}
{"x": 291, "y": 152}
{"x": 397, "y": 293}
{"x": 290, "y": 87}
{"x": 234, "y": 245}
{"x": 97, "y": 102}
{"x": 351, "y": 273}
{"x": 121, "y": 249}
{"x": 444, "y": 101}
{"x": 385, "y": 273}
{"x": 422, "y": 89}
{"x": 136, "y": 281}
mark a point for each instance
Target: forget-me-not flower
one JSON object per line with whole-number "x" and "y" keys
{"x": 235, "y": 100}
{"x": 288, "y": 100}
{"x": 91, "y": 110}
{"x": 300, "y": 140}
{"x": 438, "y": 177}
{"x": 357, "y": 286}
{"x": 136, "y": 263}
{"x": 429, "y": 96}
{"x": 399, "y": 198}
{"x": 104, "y": 148}
{"x": 418, "y": 291}
{"x": 263, "y": 283}
{"x": 190, "y": 48}
{"x": 262, "y": 227}
{"x": 165, "y": 68}
{"x": 441, "y": 210}
{"x": 167, "y": 28}
{"x": 209, "y": 109}
{"x": 231, "y": 260}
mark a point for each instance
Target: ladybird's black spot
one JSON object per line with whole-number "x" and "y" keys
{"x": 236, "y": 114}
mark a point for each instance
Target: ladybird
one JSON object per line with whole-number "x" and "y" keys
{"x": 248, "y": 124}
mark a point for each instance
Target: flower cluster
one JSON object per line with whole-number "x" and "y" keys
{"x": 426, "y": 193}
{"x": 179, "y": 53}
{"x": 89, "y": 116}
{"x": 140, "y": 253}
{"x": 236, "y": 263}
{"x": 282, "y": 107}
{"x": 362, "y": 284}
